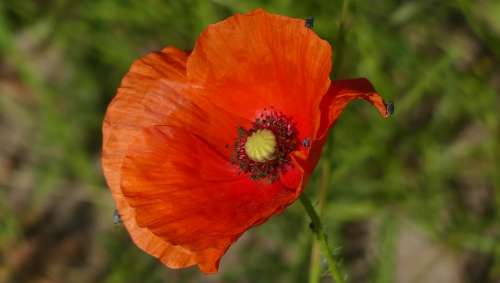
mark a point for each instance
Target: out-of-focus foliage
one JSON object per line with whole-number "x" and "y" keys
{"x": 415, "y": 198}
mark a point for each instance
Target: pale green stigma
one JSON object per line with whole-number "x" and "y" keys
{"x": 261, "y": 145}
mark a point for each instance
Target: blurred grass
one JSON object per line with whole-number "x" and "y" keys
{"x": 434, "y": 164}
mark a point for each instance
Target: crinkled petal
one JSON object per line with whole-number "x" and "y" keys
{"x": 135, "y": 107}
{"x": 259, "y": 60}
{"x": 186, "y": 192}
{"x": 155, "y": 92}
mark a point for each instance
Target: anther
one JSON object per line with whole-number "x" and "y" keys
{"x": 309, "y": 22}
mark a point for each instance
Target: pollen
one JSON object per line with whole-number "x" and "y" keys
{"x": 261, "y": 145}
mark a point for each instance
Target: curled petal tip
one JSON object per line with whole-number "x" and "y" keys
{"x": 342, "y": 92}
{"x": 384, "y": 108}
{"x": 389, "y": 108}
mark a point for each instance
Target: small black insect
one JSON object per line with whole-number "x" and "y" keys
{"x": 312, "y": 226}
{"x": 390, "y": 107}
{"x": 116, "y": 217}
{"x": 306, "y": 143}
{"x": 309, "y": 22}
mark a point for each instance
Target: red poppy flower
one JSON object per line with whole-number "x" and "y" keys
{"x": 199, "y": 147}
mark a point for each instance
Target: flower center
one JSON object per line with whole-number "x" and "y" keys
{"x": 261, "y": 145}
{"x": 263, "y": 151}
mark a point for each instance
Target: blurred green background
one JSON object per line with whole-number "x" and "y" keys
{"x": 415, "y": 198}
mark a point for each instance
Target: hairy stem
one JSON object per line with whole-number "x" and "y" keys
{"x": 317, "y": 228}
{"x": 315, "y": 265}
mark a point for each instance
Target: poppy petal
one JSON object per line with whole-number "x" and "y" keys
{"x": 132, "y": 109}
{"x": 252, "y": 61}
{"x": 339, "y": 95}
{"x": 156, "y": 92}
{"x": 134, "y": 106}
{"x": 188, "y": 194}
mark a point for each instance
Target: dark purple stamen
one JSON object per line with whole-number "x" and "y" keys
{"x": 285, "y": 133}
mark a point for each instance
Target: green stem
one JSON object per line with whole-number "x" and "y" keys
{"x": 317, "y": 228}
{"x": 315, "y": 265}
